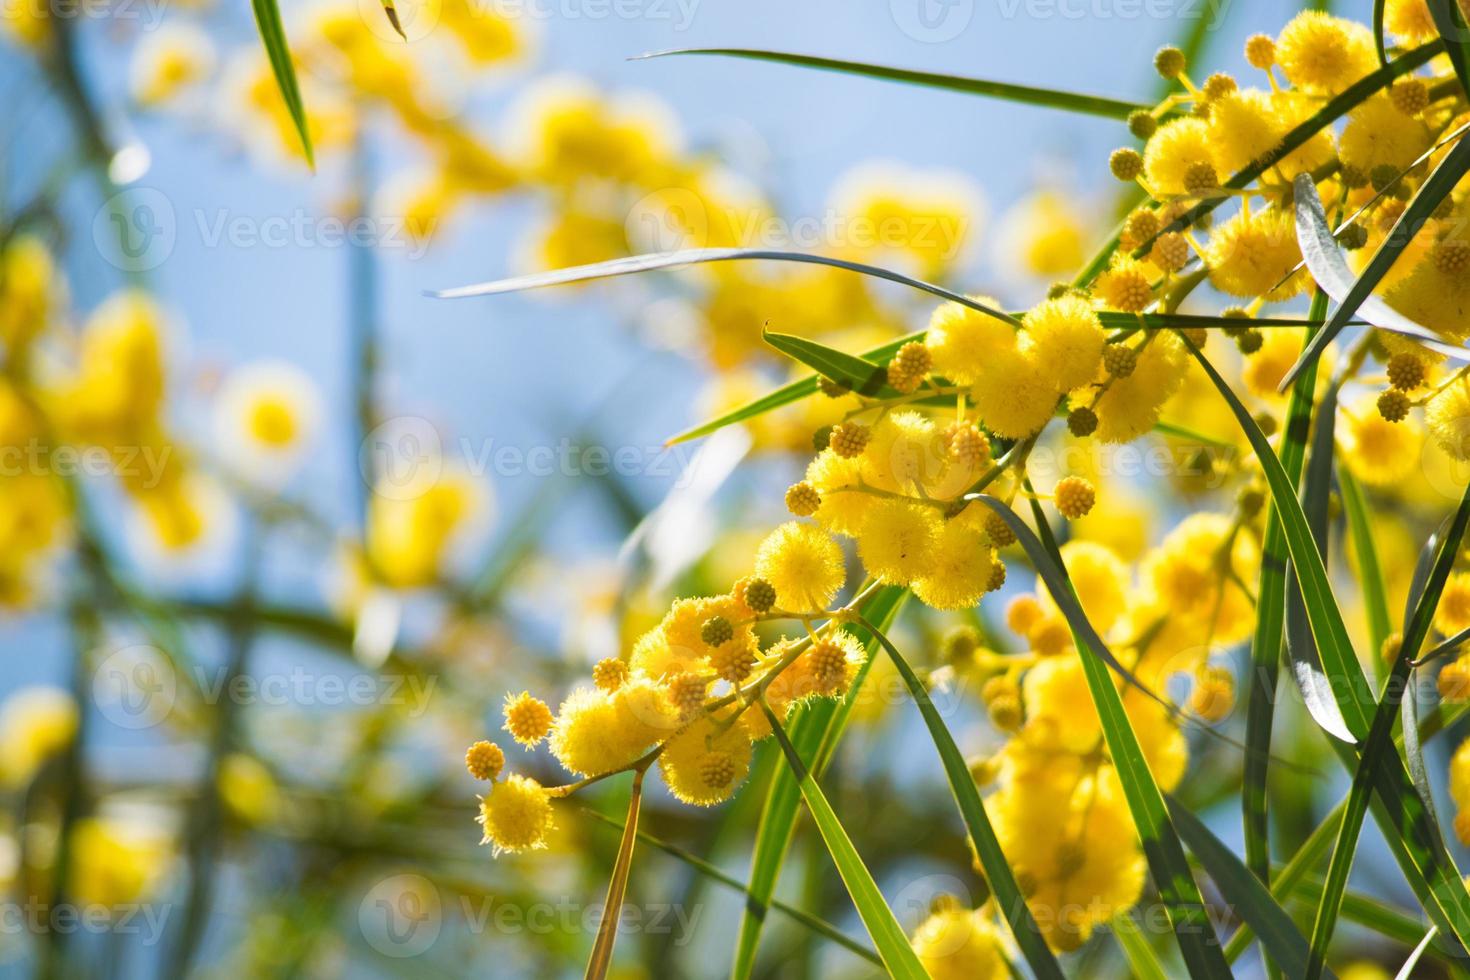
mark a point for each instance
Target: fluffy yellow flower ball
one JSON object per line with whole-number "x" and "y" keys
{"x": 1244, "y": 125}
{"x": 1295, "y": 108}
{"x": 1130, "y": 407}
{"x": 597, "y": 731}
{"x": 959, "y": 568}
{"x": 1448, "y": 415}
{"x": 959, "y": 944}
{"x": 1432, "y": 293}
{"x": 960, "y": 339}
{"x": 1377, "y": 134}
{"x": 1126, "y": 285}
{"x": 689, "y": 772}
{"x": 1065, "y": 337}
{"x": 1453, "y": 613}
{"x": 803, "y": 564}
{"x": 1100, "y": 579}
{"x": 1377, "y": 451}
{"x": 1194, "y": 575}
{"x": 1013, "y": 395}
{"x": 897, "y": 539}
{"x": 835, "y": 478}
{"x": 1322, "y": 54}
{"x": 528, "y": 719}
{"x": 1409, "y": 20}
{"x": 1177, "y": 145}
{"x": 1262, "y": 371}
{"x": 904, "y": 453}
{"x": 1250, "y": 253}
{"x": 516, "y": 815}
{"x": 1066, "y": 830}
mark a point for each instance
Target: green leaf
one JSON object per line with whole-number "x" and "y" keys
{"x": 1370, "y": 571}
{"x": 1332, "y": 110}
{"x": 1266, "y": 643}
{"x": 803, "y": 918}
{"x": 1092, "y": 105}
{"x": 1407, "y": 970}
{"x": 1370, "y": 913}
{"x": 1243, "y": 891}
{"x": 1380, "y": 741}
{"x": 786, "y": 394}
{"x": 273, "y": 36}
{"x": 1326, "y": 262}
{"x": 695, "y": 256}
{"x": 796, "y": 390}
{"x": 888, "y": 937}
{"x": 392, "y": 14}
{"x": 1378, "y": 10}
{"x": 1316, "y": 493}
{"x": 1343, "y": 677}
{"x": 1178, "y": 892}
{"x": 1294, "y": 872}
{"x": 862, "y": 376}
{"x": 814, "y": 731}
{"x": 1004, "y": 890}
{"x": 1450, "y": 23}
{"x": 1142, "y": 960}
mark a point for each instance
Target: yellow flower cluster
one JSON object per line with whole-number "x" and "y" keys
{"x": 905, "y": 447}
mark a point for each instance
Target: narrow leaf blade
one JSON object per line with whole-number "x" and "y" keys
{"x": 888, "y": 937}
{"x": 273, "y": 36}
{"x": 1092, "y": 105}
{"x": 1325, "y": 260}
{"x": 1243, "y": 891}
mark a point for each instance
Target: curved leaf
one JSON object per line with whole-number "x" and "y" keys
{"x": 1329, "y": 267}
{"x": 1378, "y": 10}
{"x": 1178, "y": 892}
{"x": 273, "y": 36}
{"x": 696, "y": 256}
{"x": 1004, "y": 890}
{"x": 815, "y": 732}
{"x": 1450, "y": 22}
{"x": 1407, "y": 970}
{"x": 1380, "y": 741}
{"x": 1092, "y": 105}
{"x": 1244, "y": 892}
{"x": 1316, "y": 490}
{"x": 1343, "y": 676}
{"x": 888, "y": 937}
{"x": 862, "y": 376}
{"x": 1266, "y": 643}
